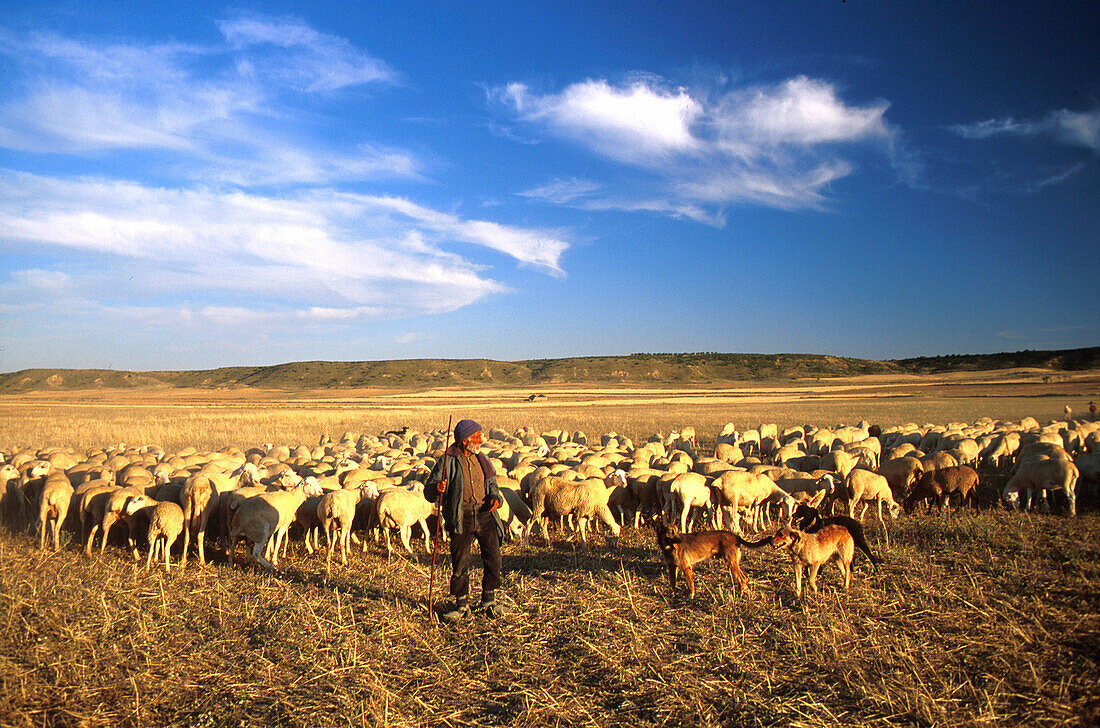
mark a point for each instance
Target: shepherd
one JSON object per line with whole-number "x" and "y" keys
{"x": 466, "y": 484}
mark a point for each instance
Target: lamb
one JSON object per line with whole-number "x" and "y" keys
{"x": 401, "y": 508}
{"x": 1043, "y": 475}
{"x": 584, "y": 499}
{"x": 165, "y": 527}
{"x": 199, "y": 499}
{"x": 938, "y": 486}
{"x": 867, "y": 487}
{"x": 262, "y": 517}
{"x": 336, "y": 512}
{"x": 811, "y": 491}
{"x": 57, "y": 495}
{"x": 832, "y": 543}
{"x": 514, "y": 512}
{"x": 112, "y": 508}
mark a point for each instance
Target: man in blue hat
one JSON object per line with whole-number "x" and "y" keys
{"x": 466, "y": 484}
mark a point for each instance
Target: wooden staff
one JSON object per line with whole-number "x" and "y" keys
{"x": 438, "y": 520}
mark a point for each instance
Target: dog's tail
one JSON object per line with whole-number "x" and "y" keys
{"x": 856, "y": 529}
{"x": 753, "y": 544}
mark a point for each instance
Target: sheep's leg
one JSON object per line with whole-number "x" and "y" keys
{"x": 798, "y": 579}
{"x": 406, "y": 534}
{"x": 885, "y": 531}
{"x": 152, "y": 550}
{"x": 866, "y": 505}
{"x": 330, "y": 535}
{"x": 42, "y": 534}
{"x": 166, "y": 547}
{"x": 389, "y": 548}
{"x": 345, "y": 543}
{"x": 200, "y": 540}
{"x": 258, "y": 556}
{"x": 188, "y": 522}
{"x": 424, "y": 529}
{"x": 57, "y": 530}
{"x": 131, "y": 541}
{"x": 685, "y": 513}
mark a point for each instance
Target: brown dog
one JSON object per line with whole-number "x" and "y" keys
{"x": 686, "y": 550}
{"x": 831, "y": 543}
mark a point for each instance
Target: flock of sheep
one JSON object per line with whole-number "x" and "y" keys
{"x": 373, "y": 484}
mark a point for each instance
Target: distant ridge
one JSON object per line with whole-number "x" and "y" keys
{"x": 671, "y": 369}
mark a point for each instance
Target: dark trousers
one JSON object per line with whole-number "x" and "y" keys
{"x": 480, "y": 526}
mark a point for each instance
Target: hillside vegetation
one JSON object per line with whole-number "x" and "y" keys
{"x": 669, "y": 369}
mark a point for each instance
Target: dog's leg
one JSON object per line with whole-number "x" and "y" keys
{"x": 797, "y": 577}
{"x": 689, "y": 577}
{"x": 814, "y": 568}
{"x": 733, "y": 560}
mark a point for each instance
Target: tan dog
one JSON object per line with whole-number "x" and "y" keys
{"x": 684, "y": 551}
{"x": 831, "y": 543}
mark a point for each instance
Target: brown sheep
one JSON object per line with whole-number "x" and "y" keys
{"x": 937, "y": 487}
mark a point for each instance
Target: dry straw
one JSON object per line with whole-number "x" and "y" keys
{"x": 987, "y": 619}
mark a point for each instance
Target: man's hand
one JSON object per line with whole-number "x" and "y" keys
{"x": 441, "y": 486}
{"x": 493, "y": 503}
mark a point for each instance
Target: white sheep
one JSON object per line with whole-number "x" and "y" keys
{"x": 811, "y": 491}
{"x": 264, "y": 519}
{"x": 687, "y": 491}
{"x": 57, "y": 495}
{"x": 584, "y": 499}
{"x": 401, "y": 508}
{"x": 1041, "y": 476}
{"x": 165, "y": 527}
{"x": 863, "y": 486}
{"x": 336, "y": 512}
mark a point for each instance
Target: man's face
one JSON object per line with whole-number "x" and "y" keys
{"x": 473, "y": 442}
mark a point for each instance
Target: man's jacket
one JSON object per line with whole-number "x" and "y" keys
{"x": 450, "y": 468}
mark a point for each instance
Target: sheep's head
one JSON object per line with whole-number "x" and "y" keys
{"x": 312, "y": 487}
{"x": 135, "y": 504}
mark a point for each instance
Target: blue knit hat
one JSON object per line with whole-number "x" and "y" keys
{"x": 465, "y": 428}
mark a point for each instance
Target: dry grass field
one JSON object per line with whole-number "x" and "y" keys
{"x": 983, "y": 618}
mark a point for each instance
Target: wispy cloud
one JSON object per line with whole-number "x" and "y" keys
{"x": 303, "y": 57}
{"x": 303, "y": 254}
{"x": 777, "y": 145}
{"x": 226, "y": 112}
{"x": 1075, "y": 128}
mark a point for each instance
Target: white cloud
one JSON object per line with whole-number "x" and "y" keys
{"x": 773, "y": 145}
{"x": 310, "y": 60}
{"x": 226, "y": 113}
{"x": 302, "y": 255}
{"x": 1075, "y": 128}
{"x": 635, "y": 123}
{"x": 801, "y": 111}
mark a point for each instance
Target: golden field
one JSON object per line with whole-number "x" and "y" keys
{"x": 985, "y": 618}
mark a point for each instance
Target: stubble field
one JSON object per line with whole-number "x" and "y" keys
{"x": 985, "y": 618}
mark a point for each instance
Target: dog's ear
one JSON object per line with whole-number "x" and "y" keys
{"x": 795, "y": 535}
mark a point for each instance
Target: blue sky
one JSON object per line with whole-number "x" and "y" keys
{"x": 190, "y": 184}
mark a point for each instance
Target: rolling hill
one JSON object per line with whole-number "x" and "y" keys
{"x": 669, "y": 369}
